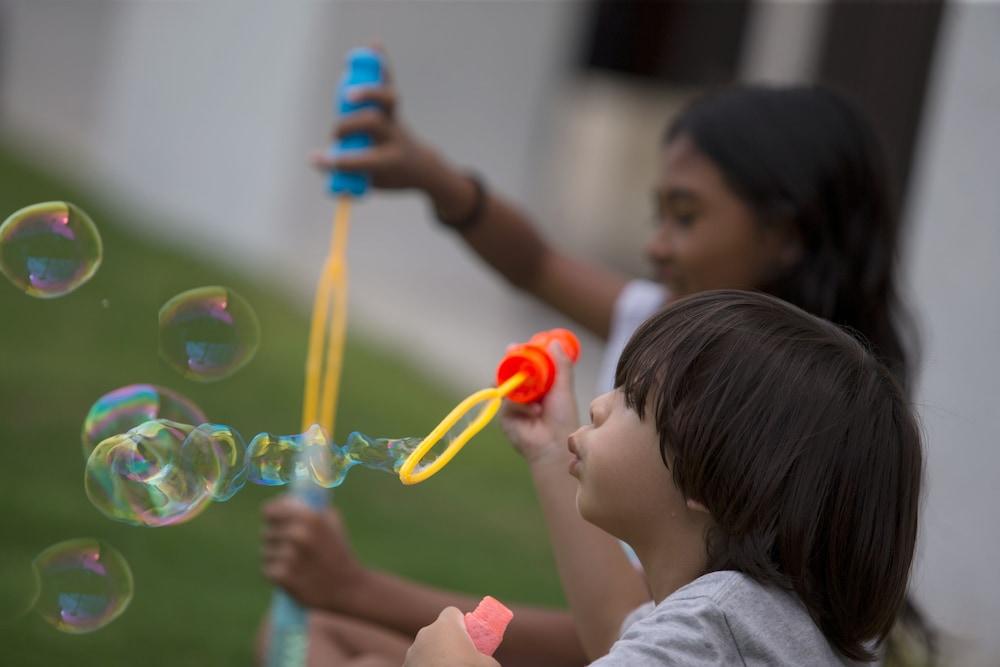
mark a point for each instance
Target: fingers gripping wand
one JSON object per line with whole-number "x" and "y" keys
{"x": 525, "y": 374}
{"x": 288, "y": 645}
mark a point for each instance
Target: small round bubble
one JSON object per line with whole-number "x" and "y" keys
{"x": 127, "y": 407}
{"x": 84, "y": 585}
{"x": 49, "y": 249}
{"x": 208, "y": 333}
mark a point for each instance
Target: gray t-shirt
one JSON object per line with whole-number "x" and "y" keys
{"x": 722, "y": 618}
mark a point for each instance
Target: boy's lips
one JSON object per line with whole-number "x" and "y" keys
{"x": 575, "y": 462}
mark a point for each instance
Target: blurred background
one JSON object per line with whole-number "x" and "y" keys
{"x": 183, "y": 128}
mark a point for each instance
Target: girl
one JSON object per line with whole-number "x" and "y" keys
{"x": 776, "y": 189}
{"x": 766, "y": 469}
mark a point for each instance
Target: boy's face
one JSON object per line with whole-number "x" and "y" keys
{"x": 624, "y": 487}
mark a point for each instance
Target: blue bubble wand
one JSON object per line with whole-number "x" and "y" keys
{"x": 289, "y": 640}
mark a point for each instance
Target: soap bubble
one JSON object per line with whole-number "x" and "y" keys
{"x": 136, "y": 477}
{"x": 274, "y": 460}
{"x": 48, "y": 250}
{"x": 208, "y": 333}
{"x": 386, "y": 454}
{"x": 216, "y": 454}
{"x": 85, "y": 584}
{"x": 127, "y": 407}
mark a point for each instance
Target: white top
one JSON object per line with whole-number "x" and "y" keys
{"x": 637, "y": 302}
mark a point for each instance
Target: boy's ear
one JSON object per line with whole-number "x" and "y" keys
{"x": 696, "y": 506}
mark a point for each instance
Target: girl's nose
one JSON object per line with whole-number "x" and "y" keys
{"x": 659, "y": 246}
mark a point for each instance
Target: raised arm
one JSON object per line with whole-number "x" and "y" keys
{"x": 307, "y": 553}
{"x": 600, "y": 583}
{"x": 502, "y": 235}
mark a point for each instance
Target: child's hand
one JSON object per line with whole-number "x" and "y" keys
{"x": 446, "y": 642}
{"x": 397, "y": 159}
{"x": 306, "y": 553}
{"x": 539, "y": 430}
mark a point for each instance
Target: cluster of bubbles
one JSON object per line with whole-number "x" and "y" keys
{"x": 77, "y": 586}
{"x": 48, "y": 250}
{"x": 208, "y": 333}
{"x": 163, "y": 471}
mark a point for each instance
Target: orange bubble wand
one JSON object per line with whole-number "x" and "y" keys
{"x": 525, "y": 374}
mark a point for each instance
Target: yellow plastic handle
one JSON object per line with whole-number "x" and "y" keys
{"x": 329, "y": 325}
{"x": 492, "y": 396}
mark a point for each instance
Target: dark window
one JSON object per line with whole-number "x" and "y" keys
{"x": 682, "y": 42}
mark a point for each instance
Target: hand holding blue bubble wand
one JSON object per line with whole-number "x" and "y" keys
{"x": 288, "y": 645}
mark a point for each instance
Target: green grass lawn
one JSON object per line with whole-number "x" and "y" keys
{"x": 198, "y": 591}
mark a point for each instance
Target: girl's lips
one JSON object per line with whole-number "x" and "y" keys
{"x": 664, "y": 272}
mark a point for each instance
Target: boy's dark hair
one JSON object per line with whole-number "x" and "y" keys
{"x": 805, "y": 156}
{"x": 800, "y": 444}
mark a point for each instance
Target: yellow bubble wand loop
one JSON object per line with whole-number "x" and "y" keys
{"x": 492, "y": 396}
{"x": 525, "y": 374}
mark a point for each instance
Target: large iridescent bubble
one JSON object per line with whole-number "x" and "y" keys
{"x": 208, "y": 333}
{"x": 137, "y": 478}
{"x": 85, "y": 584}
{"x": 48, "y": 250}
{"x": 127, "y": 407}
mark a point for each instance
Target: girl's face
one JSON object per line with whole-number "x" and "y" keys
{"x": 706, "y": 236}
{"x": 624, "y": 486}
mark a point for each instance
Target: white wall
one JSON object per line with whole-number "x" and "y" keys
{"x": 954, "y": 210}
{"x": 203, "y": 113}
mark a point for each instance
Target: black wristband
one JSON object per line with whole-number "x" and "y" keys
{"x": 476, "y": 211}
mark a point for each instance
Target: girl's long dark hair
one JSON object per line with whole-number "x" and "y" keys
{"x": 805, "y": 156}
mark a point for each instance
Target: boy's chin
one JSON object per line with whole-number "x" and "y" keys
{"x": 594, "y": 518}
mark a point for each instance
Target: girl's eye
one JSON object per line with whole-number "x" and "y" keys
{"x": 680, "y": 210}
{"x": 684, "y": 216}
{"x": 685, "y": 220}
